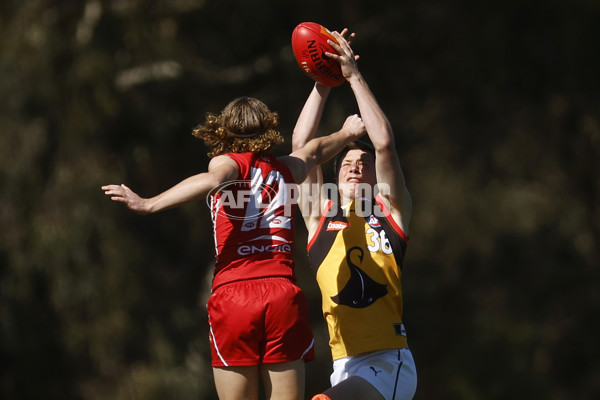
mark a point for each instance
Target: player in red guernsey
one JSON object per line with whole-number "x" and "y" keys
{"x": 254, "y": 241}
{"x": 258, "y": 317}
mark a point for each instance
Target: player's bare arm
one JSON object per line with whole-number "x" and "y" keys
{"x": 387, "y": 166}
{"x": 310, "y": 201}
{"x": 314, "y": 153}
{"x": 323, "y": 149}
{"x": 194, "y": 188}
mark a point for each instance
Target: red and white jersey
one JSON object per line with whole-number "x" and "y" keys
{"x": 253, "y": 221}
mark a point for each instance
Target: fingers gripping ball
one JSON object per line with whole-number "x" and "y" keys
{"x": 309, "y": 42}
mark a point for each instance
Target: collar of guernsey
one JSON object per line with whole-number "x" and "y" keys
{"x": 358, "y": 262}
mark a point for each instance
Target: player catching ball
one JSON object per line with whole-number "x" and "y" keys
{"x": 356, "y": 247}
{"x": 259, "y": 327}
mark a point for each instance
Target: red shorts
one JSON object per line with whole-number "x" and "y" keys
{"x": 259, "y": 321}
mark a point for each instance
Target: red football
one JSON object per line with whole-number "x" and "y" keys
{"x": 309, "y": 42}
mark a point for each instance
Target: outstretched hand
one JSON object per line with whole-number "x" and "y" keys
{"x": 123, "y": 194}
{"x": 345, "y": 55}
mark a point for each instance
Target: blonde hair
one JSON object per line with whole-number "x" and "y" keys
{"x": 245, "y": 125}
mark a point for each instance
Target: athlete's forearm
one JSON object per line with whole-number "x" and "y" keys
{"x": 187, "y": 191}
{"x": 325, "y": 148}
{"x": 376, "y": 122}
{"x": 310, "y": 116}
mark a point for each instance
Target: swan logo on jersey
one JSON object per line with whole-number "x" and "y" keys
{"x": 373, "y": 222}
{"x": 361, "y": 290}
{"x": 272, "y": 244}
{"x": 336, "y": 225}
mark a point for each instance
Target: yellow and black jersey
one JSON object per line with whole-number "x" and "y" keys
{"x": 357, "y": 258}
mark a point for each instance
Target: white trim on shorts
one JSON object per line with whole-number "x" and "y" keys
{"x": 310, "y": 346}
{"x": 391, "y": 372}
{"x": 214, "y": 339}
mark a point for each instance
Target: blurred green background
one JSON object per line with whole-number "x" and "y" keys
{"x": 496, "y": 112}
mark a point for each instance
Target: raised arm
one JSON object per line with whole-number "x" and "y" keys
{"x": 314, "y": 153}
{"x": 387, "y": 163}
{"x": 194, "y": 188}
{"x": 310, "y": 116}
{"x": 322, "y": 149}
{"x": 310, "y": 201}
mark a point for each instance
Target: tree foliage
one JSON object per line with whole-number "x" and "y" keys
{"x": 495, "y": 112}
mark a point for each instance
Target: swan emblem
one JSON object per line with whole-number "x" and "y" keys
{"x": 361, "y": 290}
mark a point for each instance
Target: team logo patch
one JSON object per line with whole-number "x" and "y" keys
{"x": 276, "y": 222}
{"x": 249, "y": 225}
{"x": 336, "y": 225}
{"x": 361, "y": 290}
{"x": 373, "y": 222}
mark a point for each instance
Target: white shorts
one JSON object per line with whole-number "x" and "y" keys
{"x": 391, "y": 372}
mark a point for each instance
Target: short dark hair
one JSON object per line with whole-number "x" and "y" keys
{"x": 356, "y": 145}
